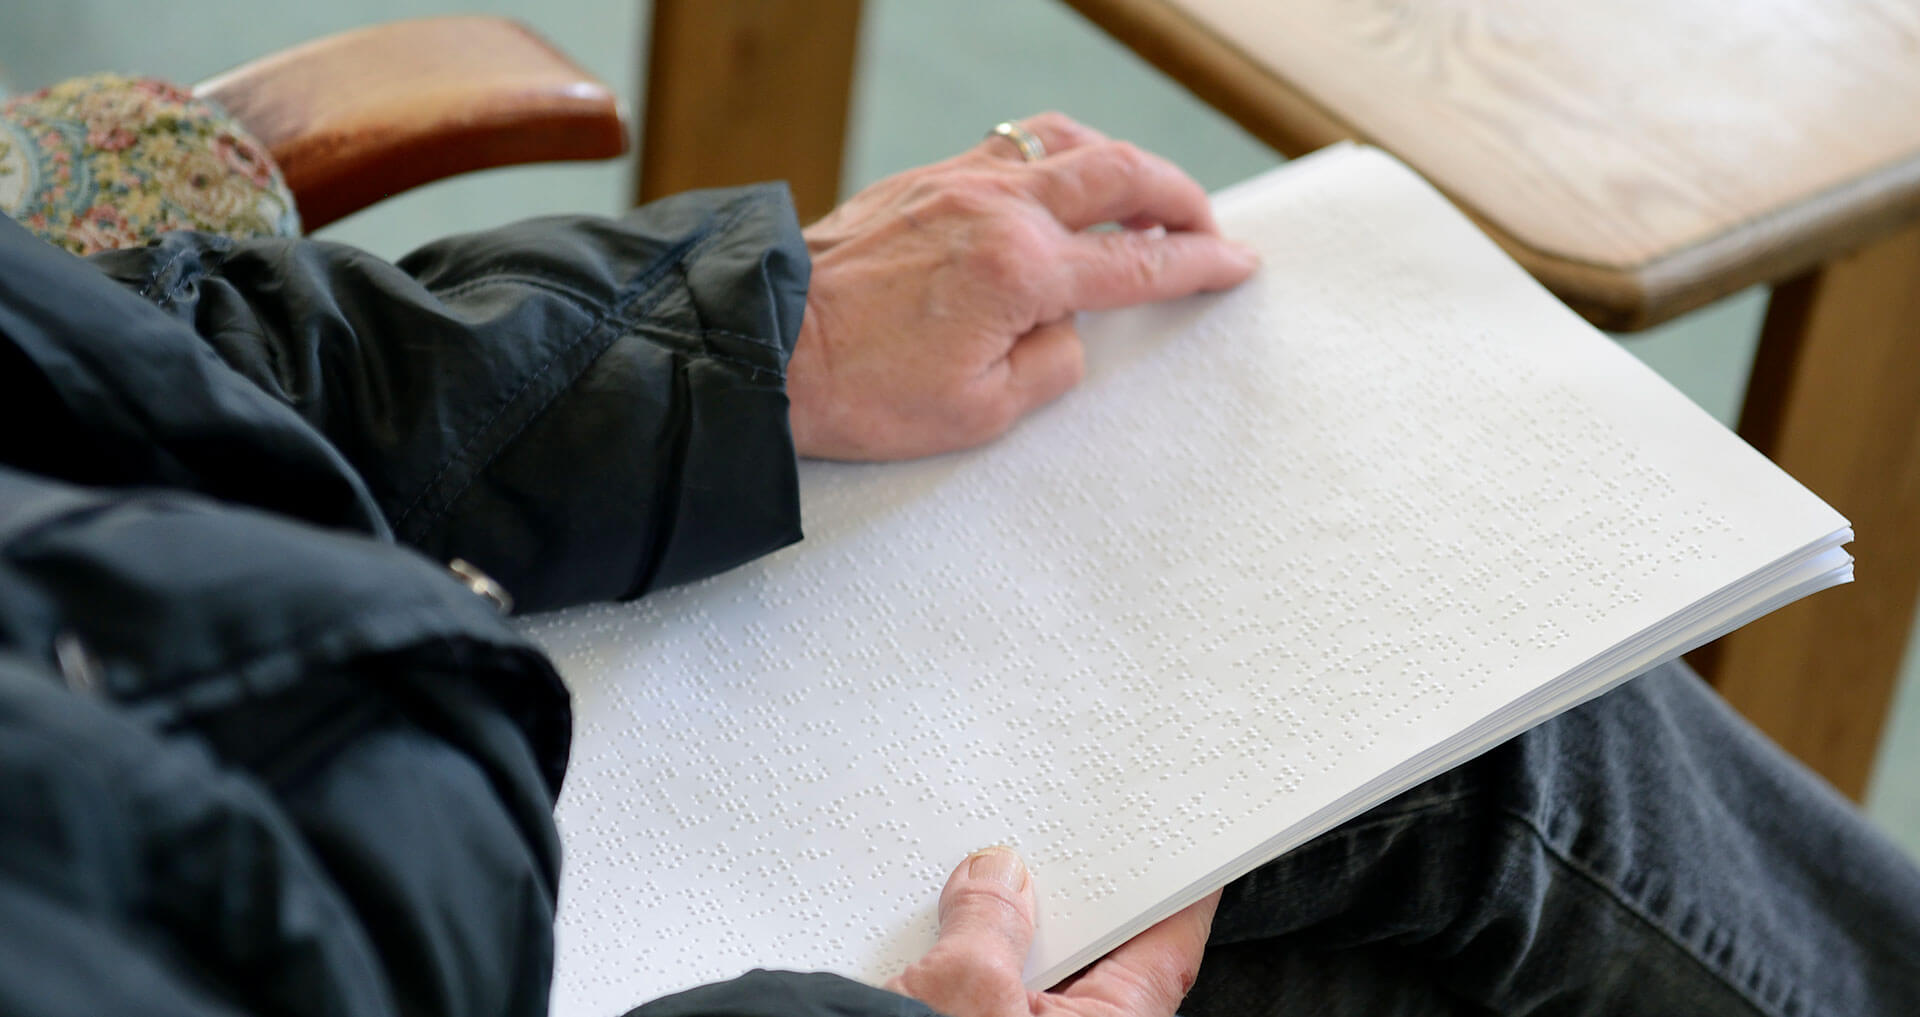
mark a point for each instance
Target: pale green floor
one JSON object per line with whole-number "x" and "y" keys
{"x": 934, "y": 75}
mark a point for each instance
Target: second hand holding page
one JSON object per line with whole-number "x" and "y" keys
{"x": 1289, "y": 550}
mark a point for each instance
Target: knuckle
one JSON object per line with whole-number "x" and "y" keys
{"x": 955, "y": 979}
{"x": 1019, "y": 234}
{"x": 1143, "y": 260}
{"x": 960, "y": 196}
{"x": 1068, "y": 131}
{"x": 1052, "y": 119}
{"x": 1128, "y": 159}
{"x": 1074, "y": 370}
{"x": 979, "y": 966}
{"x": 985, "y": 416}
{"x": 958, "y": 982}
{"x": 996, "y": 266}
{"x": 1007, "y": 254}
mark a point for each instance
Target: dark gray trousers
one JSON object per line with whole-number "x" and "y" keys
{"x": 1646, "y": 853}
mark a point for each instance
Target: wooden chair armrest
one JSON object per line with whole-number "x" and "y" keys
{"x": 363, "y": 115}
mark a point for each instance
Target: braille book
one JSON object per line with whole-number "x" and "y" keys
{"x": 1287, "y": 551}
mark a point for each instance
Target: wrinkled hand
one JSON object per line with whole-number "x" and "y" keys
{"x": 941, "y": 306}
{"x": 986, "y": 926}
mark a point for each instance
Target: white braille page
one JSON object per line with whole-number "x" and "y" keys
{"x": 1285, "y": 552}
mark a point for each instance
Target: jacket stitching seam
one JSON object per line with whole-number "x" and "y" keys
{"x": 509, "y": 438}
{"x": 525, "y": 277}
{"x": 740, "y": 362}
{"x": 151, "y": 289}
{"x": 561, "y": 286}
{"x": 623, "y": 315}
{"x": 234, "y": 668}
{"x": 772, "y": 344}
{"x": 704, "y": 332}
{"x": 599, "y": 320}
{"x": 507, "y": 271}
{"x": 172, "y": 698}
{"x": 215, "y": 250}
{"x": 650, "y": 285}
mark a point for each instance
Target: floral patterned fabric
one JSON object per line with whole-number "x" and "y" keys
{"x": 106, "y": 161}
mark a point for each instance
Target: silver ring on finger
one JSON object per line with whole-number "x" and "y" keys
{"x": 1030, "y": 146}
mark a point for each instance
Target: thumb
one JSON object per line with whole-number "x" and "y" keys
{"x": 987, "y": 906}
{"x": 1151, "y": 973}
{"x": 986, "y": 928}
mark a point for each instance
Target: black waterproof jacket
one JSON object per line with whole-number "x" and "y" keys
{"x": 260, "y": 751}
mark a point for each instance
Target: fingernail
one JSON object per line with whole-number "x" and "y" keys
{"x": 1246, "y": 250}
{"x": 1000, "y": 865}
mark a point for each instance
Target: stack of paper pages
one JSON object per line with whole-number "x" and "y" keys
{"x": 1289, "y": 550}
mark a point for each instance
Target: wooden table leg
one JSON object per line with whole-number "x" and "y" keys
{"x": 1835, "y": 400}
{"x": 739, "y": 91}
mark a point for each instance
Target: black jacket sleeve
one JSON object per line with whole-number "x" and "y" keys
{"x": 256, "y": 757}
{"x": 785, "y": 994}
{"x": 587, "y": 409}
{"x": 290, "y": 770}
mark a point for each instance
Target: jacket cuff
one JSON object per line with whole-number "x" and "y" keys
{"x": 664, "y": 456}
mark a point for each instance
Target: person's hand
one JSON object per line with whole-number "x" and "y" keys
{"x": 942, "y": 300}
{"x": 986, "y": 926}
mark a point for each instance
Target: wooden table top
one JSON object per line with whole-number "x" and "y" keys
{"x": 1641, "y": 157}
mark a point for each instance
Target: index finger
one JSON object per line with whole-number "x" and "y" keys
{"x": 1127, "y": 267}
